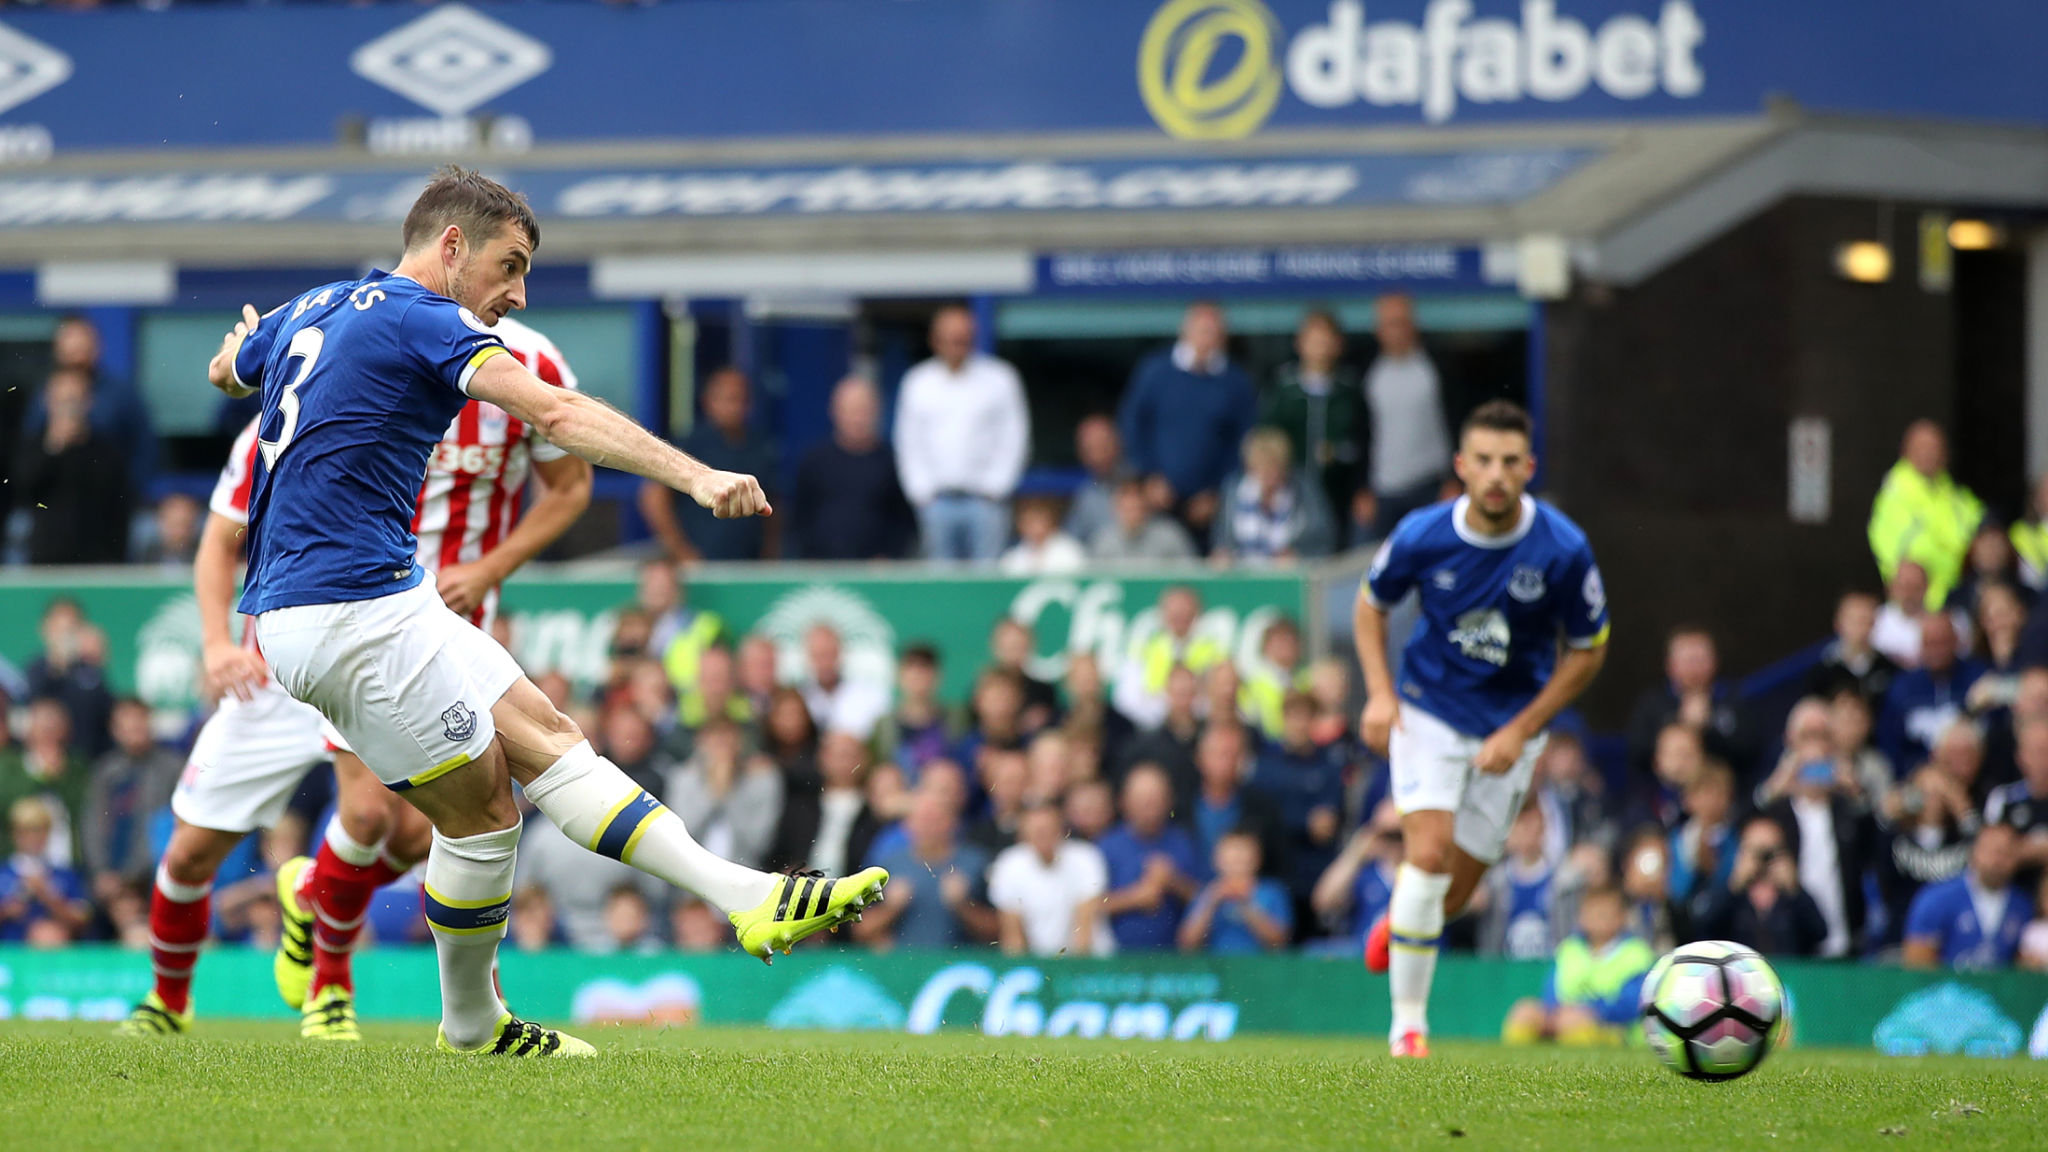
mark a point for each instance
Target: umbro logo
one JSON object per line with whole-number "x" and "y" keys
{"x": 28, "y": 68}
{"x": 1445, "y": 579}
{"x": 452, "y": 59}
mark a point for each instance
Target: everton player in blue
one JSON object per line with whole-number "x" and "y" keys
{"x": 1505, "y": 583}
{"x": 360, "y": 380}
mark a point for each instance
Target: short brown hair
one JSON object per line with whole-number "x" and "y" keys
{"x": 471, "y": 201}
{"x": 1500, "y": 416}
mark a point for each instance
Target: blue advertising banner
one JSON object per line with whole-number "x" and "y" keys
{"x": 1493, "y": 176}
{"x": 1251, "y": 270}
{"x": 394, "y": 77}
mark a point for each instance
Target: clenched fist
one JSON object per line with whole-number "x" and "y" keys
{"x": 730, "y": 495}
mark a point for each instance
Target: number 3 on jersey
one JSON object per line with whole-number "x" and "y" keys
{"x": 305, "y": 348}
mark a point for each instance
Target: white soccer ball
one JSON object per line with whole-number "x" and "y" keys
{"x": 1712, "y": 1010}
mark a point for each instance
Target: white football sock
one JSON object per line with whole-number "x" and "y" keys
{"x": 1416, "y": 919}
{"x": 348, "y": 848}
{"x": 468, "y": 897}
{"x": 599, "y": 807}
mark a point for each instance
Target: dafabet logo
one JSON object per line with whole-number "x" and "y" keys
{"x": 1215, "y": 69}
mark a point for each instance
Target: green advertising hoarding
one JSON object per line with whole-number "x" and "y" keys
{"x": 1148, "y": 996}
{"x": 564, "y": 621}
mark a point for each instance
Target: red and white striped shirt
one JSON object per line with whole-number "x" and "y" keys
{"x": 476, "y": 476}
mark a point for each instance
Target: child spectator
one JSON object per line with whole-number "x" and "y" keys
{"x": 1043, "y": 548}
{"x": 1593, "y": 993}
{"x": 1703, "y": 848}
{"x": 1238, "y": 913}
{"x": 922, "y": 728}
{"x": 1521, "y": 891}
{"x": 1272, "y": 513}
{"x": 629, "y": 922}
{"x": 39, "y": 901}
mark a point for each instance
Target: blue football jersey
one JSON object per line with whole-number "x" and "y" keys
{"x": 1493, "y": 609}
{"x": 1946, "y": 913}
{"x": 360, "y": 379}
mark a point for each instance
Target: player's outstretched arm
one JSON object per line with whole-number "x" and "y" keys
{"x": 609, "y": 438}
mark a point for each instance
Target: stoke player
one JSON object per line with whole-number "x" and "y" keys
{"x": 251, "y": 753}
{"x": 359, "y": 380}
{"x": 1504, "y": 582}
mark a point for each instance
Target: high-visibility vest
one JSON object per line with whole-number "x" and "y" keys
{"x": 693, "y": 712}
{"x": 2030, "y": 542}
{"x": 1927, "y": 521}
{"x": 686, "y": 651}
{"x": 1263, "y": 697}
{"x": 1161, "y": 653}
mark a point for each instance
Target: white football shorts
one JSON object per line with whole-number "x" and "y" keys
{"x": 407, "y": 684}
{"x": 248, "y": 760}
{"x": 1433, "y": 772}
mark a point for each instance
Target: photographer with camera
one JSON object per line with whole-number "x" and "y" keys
{"x": 1763, "y": 905}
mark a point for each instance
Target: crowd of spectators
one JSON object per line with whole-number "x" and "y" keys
{"x": 1177, "y": 802}
{"x": 1177, "y": 799}
{"x": 1195, "y": 463}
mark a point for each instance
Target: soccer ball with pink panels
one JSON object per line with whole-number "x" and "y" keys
{"x": 1712, "y": 1010}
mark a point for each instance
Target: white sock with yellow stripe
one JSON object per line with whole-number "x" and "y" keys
{"x": 599, "y": 807}
{"x": 468, "y": 897}
{"x": 1415, "y": 918}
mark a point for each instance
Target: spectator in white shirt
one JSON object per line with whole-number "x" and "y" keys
{"x": 1047, "y": 890}
{"x": 837, "y": 702}
{"x": 962, "y": 435}
{"x": 1408, "y": 440}
{"x": 1042, "y": 548}
{"x": 1896, "y": 634}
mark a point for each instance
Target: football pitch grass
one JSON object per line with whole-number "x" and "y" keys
{"x": 246, "y": 1085}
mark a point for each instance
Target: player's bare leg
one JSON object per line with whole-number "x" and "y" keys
{"x": 598, "y": 806}
{"x": 180, "y": 912}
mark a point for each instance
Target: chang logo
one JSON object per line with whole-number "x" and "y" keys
{"x": 1210, "y": 69}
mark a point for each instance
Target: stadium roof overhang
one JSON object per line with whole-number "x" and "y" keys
{"x": 961, "y": 215}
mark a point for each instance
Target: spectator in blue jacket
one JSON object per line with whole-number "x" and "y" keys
{"x": 1153, "y": 866}
{"x": 40, "y": 902}
{"x": 1703, "y": 848}
{"x": 1975, "y": 920}
{"x": 1183, "y": 417}
{"x": 1307, "y": 782}
{"x": 1927, "y": 699}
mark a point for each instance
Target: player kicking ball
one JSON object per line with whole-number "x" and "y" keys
{"x": 359, "y": 380}
{"x": 251, "y": 753}
{"x": 1504, "y": 583}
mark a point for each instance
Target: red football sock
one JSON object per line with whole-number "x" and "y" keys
{"x": 179, "y": 915}
{"x": 339, "y": 893}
